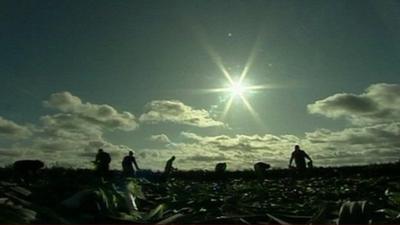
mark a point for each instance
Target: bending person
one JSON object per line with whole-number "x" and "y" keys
{"x": 168, "y": 167}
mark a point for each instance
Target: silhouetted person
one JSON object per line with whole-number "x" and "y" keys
{"x": 260, "y": 169}
{"x": 26, "y": 169}
{"x": 127, "y": 165}
{"x": 168, "y": 167}
{"x": 220, "y": 168}
{"x": 299, "y": 157}
{"x": 102, "y": 162}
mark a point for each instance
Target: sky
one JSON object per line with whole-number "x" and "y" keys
{"x": 207, "y": 81}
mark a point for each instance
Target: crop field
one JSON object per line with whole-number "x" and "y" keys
{"x": 345, "y": 195}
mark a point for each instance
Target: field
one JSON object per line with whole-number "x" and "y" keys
{"x": 345, "y": 195}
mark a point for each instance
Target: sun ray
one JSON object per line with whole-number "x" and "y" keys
{"x": 227, "y": 107}
{"x": 259, "y": 87}
{"x": 251, "y": 110}
{"x": 213, "y": 90}
{"x": 251, "y": 58}
{"x": 247, "y": 104}
{"x": 217, "y": 60}
{"x": 228, "y": 89}
{"x": 244, "y": 72}
{"x": 225, "y": 72}
{"x": 201, "y": 36}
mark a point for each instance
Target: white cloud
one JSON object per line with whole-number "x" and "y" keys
{"x": 12, "y": 130}
{"x": 176, "y": 112}
{"x": 376, "y": 135}
{"x": 380, "y": 103}
{"x": 162, "y": 138}
{"x": 203, "y": 152}
{"x": 242, "y": 142}
{"x": 73, "y": 136}
{"x": 101, "y": 115}
{"x": 358, "y": 145}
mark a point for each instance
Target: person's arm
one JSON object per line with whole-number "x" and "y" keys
{"x": 135, "y": 163}
{"x": 291, "y": 160}
{"x": 307, "y": 156}
{"x": 108, "y": 158}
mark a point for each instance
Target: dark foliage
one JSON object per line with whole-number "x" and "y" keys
{"x": 358, "y": 194}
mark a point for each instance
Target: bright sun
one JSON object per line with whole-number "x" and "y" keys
{"x": 237, "y": 89}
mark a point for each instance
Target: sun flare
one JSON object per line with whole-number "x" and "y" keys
{"x": 237, "y": 89}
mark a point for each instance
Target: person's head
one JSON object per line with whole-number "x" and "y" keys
{"x": 296, "y": 147}
{"x": 100, "y": 150}
{"x": 130, "y": 153}
{"x": 173, "y": 157}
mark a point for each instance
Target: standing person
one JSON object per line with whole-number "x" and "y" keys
{"x": 102, "y": 162}
{"x": 127, "y": 167}
{"x": 299, "y": 157}
{"x": 168, "y": 167}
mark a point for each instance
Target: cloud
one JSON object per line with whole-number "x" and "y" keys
{"x": 242, "y": 142}
{"x": 161, "y": 138}
{"x": 74, "y": 139}
{"x": 380, "y": 103}
{"x": 100, "y": 115}
{"x": 67, "y": 147}
{"x": 376, "y": 135}
{"x": 239, "y": 151}
{"x": 207, "y": 158}
{"x": 176, "y": 112}
{"x": 73, "y": 135}
{"x": 357, "y": 145}
{"x": 11, "y": 130}
{"x": 69, "y": 126}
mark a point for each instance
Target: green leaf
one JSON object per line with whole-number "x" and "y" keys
{"x": 354, "y": 213}
{"x": 394, "y": 197}
{"x": 10, "y": 214}
{"x": 171, "y": 219}
{"x": 279, "y": 221}
{"x": 135, "y": 189}
{"x": 156, "y": 213}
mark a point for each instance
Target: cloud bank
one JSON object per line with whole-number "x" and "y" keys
{"x": 161, "y": 138}
{"x": 12, "y": 130}
{"x": 380, "y": 103}
{"x": 71, "y": 136}
{"x": 75, "y": 130}
{"x": 355, "y": 145}
{"x": 101, "y": 115}
{"x": 176, "y": 112}
{"x": 372, "y": 137}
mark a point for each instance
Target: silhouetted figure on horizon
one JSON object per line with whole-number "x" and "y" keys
{"x": 127, "y": 165}
{"x": 25, "y": 170}
{"x": 299, "y": 157}
{"x": 220, "y": 168}
{"x": 102, "y": 162}
{"x": 168, "y": 167}
{"x": 260, "y": 169}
